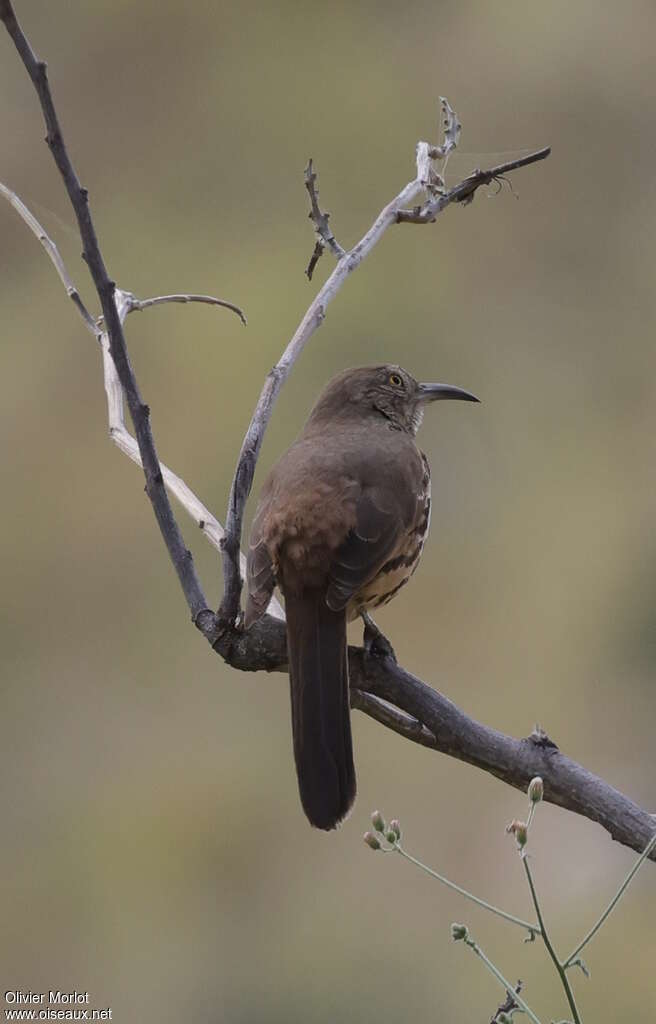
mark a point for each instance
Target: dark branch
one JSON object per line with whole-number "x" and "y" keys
{"x": 389, "y": 716}
{"x": 139, "y": 411}
{"x": 409, "y": 706}
{"x": 464, "y": 192}
{"x": 325, "y": 237}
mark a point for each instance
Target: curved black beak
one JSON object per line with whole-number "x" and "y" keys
{"x": 438, "y": 392}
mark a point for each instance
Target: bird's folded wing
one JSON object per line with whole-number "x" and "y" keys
{"x": 260, "y": 577}
{"x": 372, "y": 541}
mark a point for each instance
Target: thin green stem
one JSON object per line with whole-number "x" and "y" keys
{"x": 547, "y": 941}
{"x": 499, "y": 976}
{"x": 613, "y": 903}
{"x": 533, "y": 929}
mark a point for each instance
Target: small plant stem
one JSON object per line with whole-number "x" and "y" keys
{"x": 499, "y": 976}
{"x": 547, "y": 941}
{"x": 533, "y": 929}
{"x": 613, "y": 903}
{"x": 531, "y": 812}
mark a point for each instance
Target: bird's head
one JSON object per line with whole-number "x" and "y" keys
{"x": 386, "y": 391}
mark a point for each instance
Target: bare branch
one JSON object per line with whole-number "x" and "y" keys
{"x": 433, "y": 180}
{"x": 390, "y": 716}
{"x": 514, "y": 761}
{"x": 451, "y": 129}
{"x": 325, "y": 237}
{"x": 464, "y": 192}
{"x": 54, "y": 254}
{"x": 158, "y": 300}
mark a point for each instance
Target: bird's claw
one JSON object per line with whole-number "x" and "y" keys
{"x": 376, "y": 644}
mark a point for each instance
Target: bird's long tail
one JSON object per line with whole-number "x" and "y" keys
{"x": 321, "y": 720}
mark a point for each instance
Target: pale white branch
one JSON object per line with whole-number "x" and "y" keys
{"x": 433, "y": 180}
{"x": 53, "y": 253}
{"x": 139, "y": 304}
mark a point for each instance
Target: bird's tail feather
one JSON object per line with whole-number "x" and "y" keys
{"x": 321, "y": 720}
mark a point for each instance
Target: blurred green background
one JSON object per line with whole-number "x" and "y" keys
{"x": 153, "y": 847}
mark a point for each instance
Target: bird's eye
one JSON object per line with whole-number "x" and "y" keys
{"x": 395, "y": 380}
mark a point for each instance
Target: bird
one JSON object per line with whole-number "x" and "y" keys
{"x": 339, "y": 527}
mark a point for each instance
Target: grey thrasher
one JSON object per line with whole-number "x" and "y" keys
{"x": 340, "y": 527}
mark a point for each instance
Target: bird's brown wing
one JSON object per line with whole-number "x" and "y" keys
{"x": 378, "y": 529}
{"x": 260, "y": 576}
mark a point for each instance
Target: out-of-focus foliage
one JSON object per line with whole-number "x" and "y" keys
{"x": 154, "y": 851}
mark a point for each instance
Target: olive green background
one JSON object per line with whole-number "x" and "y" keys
{"x": 153, "y": 848}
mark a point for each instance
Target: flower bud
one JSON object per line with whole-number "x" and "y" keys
{"x": 391, "y": 837}
{"x": 520, "y": 832}
{"x": 536, "y": 790}
{"x": 395, "y": 827}
{"x": 372, "y": 840}
{"x": 378, "y": 821}
{"x": 458, "y": 931}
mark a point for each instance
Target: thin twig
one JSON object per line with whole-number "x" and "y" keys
{"x": 651, "y": 845}
{"x": 139, "y": 304}
{"x": 432, "y": 179}
{"x": 53, "y": 253}
{"x": 405, "y": 725}
{"x": 547, "y": 941}
{"x": 532, "y": 929}
{"x": 464, "y": 192}
{"x": 499, "y": 976}
{"x": 325, "y": 237}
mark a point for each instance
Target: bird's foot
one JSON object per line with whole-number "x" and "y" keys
{"x": 376, "y": 644}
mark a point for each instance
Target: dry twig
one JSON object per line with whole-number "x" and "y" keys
{"x": 325, "y": 237}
